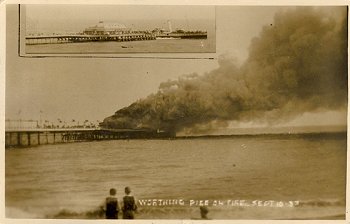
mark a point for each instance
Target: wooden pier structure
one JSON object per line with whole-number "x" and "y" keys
{"x": 38, "y": 136}
{"x": 183, "y": 35}
{"x": 77, "y": 38}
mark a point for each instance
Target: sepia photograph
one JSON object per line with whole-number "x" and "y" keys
{"x": 110, "y": 29}
{"x": 258, "y": 132}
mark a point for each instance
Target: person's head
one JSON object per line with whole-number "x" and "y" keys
{"x": 204, "y": 211}
{"x": 112, "y": 191}
{"x": 127, "y": 190}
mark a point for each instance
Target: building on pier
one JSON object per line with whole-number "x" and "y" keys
{"x": 107, "y": 29}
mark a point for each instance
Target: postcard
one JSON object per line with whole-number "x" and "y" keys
{"x": 256, "y": 133}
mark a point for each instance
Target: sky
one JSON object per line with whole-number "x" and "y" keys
{"x": 75, "y": 18}
{"x": 94, "y": 88}
{"x": 118, "y": 12}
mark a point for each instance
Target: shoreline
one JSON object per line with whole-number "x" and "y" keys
{"x": 176, "y": 213}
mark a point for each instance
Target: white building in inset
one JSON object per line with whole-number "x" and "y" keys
{"x": 107, "y": 29}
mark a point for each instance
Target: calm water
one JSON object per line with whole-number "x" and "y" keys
{"x": 150, "y": 46}
{"x": 72, "y": 180}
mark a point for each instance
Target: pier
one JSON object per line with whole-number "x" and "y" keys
{"x": 183, "y": 35}
{"x": 78, "y": 38}
{"x": 113, "y": 32}
{"x": 41, "y": 136}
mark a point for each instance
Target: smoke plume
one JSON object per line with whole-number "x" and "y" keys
{"x": 298, "y": 64}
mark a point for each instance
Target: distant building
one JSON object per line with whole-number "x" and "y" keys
{"x": 107, "y": 29}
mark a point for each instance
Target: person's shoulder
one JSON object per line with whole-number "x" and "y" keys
{"x": 110, "y": 198}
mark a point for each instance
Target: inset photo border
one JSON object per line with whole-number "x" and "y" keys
{"x": 117, "y": 30}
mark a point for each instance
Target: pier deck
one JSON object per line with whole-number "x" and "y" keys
{"x": 76, "y": 38}
{"x": 41, "y": 136}
{"x": 183, "y": 35}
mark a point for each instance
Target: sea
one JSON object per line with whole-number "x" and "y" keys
{"x": 264, "y": 176}
{"x": 165, "y": 45}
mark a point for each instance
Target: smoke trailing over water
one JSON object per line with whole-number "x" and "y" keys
{"x": 298, "y": 64}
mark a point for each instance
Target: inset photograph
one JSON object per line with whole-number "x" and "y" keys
{"x": 95, "y": 29}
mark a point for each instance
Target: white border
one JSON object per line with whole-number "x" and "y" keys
{"x": 143, "y": 2}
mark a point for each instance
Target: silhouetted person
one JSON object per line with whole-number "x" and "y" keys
{"x": 112, "y": 207}
{"x": 129, "y": 205}
{"x": 204, "y": 212}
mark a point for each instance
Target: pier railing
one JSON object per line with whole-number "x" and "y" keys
{"x": 36, "y": 125}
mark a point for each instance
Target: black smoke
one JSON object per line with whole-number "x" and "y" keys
{"x": 298, "y": 64}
